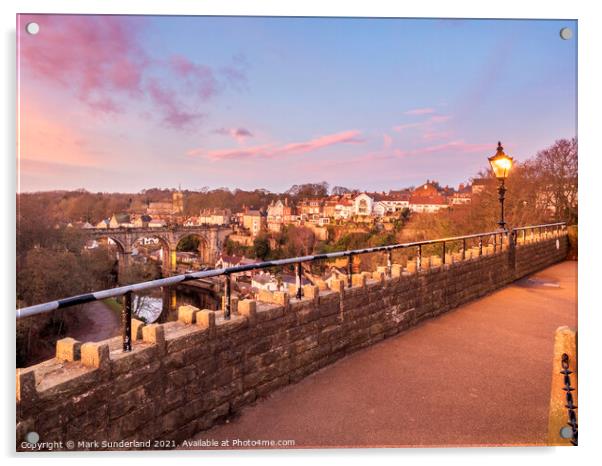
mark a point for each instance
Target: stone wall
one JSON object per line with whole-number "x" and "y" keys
{"x": 183, "y": 377}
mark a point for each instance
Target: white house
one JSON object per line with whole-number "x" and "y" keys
{"x": 362, "y": 205}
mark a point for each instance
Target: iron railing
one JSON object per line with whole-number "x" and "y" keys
{"x": 532, "y": 230}
{"x": 498, "y": 237}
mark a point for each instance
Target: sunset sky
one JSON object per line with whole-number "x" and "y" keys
{"x": 110, "y": 103}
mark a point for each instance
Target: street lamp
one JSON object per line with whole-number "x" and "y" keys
{"x": 501, "y": 165}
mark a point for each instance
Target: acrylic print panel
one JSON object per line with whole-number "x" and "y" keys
{"x": 260, "y": 232}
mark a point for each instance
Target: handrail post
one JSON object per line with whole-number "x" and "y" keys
{"x": 463, "y": 249}
{"x": 349, "y": 270}
{"x": 480, "y": 245}
{"x": 227, "y": 297}
{"x": 419, "y": 258}
{"x": 298, "y": 280}
{"x": 494, "y": 243}
{"x": 525, "y": 236}
{"x": 390, "y": 262}
{"x": 126, "y": 322}
{"x": 444, "y": 252}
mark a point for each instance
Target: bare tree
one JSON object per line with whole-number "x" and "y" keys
{"x": 556, "y": 168}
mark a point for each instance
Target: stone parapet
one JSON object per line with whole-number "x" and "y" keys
{"x": 183, "y": 377}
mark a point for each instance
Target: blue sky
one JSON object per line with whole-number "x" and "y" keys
{"x": 245, "y": 102}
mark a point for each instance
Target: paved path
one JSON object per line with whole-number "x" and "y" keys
{"x": 477, "y": 375}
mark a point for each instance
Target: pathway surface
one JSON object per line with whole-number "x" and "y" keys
{"x": 478, "y": 375}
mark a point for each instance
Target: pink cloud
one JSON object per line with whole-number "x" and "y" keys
{"x": 420, "y": 111}
{"x": 456, "y": 146}
{"x": 235, "y": 72}
{"x": 101, "y": 61}
{"x": 345, "y": 137}
{"x": 401, "y": 127}
{"x": 94, "y": 55}
{"x": 439, "y": 118}
{"x": 238, "y": 153}
{"x": 273, "y": 150}
{"x": 198, "y": 77}
{"x": 240, "y": 134}
{"x": 429, "y": 122}
{"x": 387, "y": 141}
{"x": 434, "y": 135}
{"x": 174, "y": 114}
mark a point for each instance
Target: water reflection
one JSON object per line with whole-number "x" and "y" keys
{"x": 160, "y": 305}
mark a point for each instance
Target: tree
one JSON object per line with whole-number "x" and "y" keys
{"x": 299, "y": 241}
{"x": 340, "y": 190}
{"x": 188, "y": 244}
{"x": 308, "y": 190}
{"x": 261, "y": 247}
{"x": 556, "y": 167}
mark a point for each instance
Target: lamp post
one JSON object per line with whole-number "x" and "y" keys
{"x": 501, "y": 164}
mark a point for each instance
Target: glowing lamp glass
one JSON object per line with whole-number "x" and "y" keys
{"x": 501, "y": 164}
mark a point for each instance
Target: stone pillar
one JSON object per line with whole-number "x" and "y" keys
{"x": 172, "y": 259}
{"x": 123, "y": 262}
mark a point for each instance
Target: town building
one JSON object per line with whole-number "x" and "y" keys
{"x": 344, "y": 208}
{"x": 427, "y": 198}
{"x": 121, "y": 220}
{"x": 254, "y": 221}
{"x": 385, "y": 204}
{"x": 310, "y": 208}
{"x": 278, "y": 214}
{"x": 215, "y": 217}
{"x": 462, "y": 196}
{"x": 225, "y": 261}
{"x": 362, "y": 205}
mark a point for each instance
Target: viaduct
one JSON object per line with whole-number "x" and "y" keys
{"x": 211, "y": 240}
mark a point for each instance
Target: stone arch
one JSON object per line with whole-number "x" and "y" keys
{"x": 166, "y": 247}
{"x": 204, "y": 249}
{"x": 121, "y": 246}
{"x": 123, "y": 253}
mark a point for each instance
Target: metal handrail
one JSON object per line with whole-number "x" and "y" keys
{"x": 543, "y": 225}
{"x": 176, "y": 279}
{"x": 127, "y": 290}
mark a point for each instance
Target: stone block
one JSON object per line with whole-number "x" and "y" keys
{"x": 411, "y": 266}
{"x": 233, "y": 304}
{"x": 338, "y": 286}
{"x": 187, "y": 314}
{"x": 26, "y": 385}
{"x": 154, "y": 334}
{"x": 358, "y": 280}
{"x": 396, "y": 270}
{"x": 248, "y": 308}
{"x": 311, "y": 292}
{"x": 206, "y": 319}
{"x": 68, "y": 349}
{"x": 281, "y": 298}
{"x": 137, "y": 326}
{"x": 95, "y": 355}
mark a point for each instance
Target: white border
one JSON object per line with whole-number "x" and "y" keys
{"x": 590, "y": 174}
